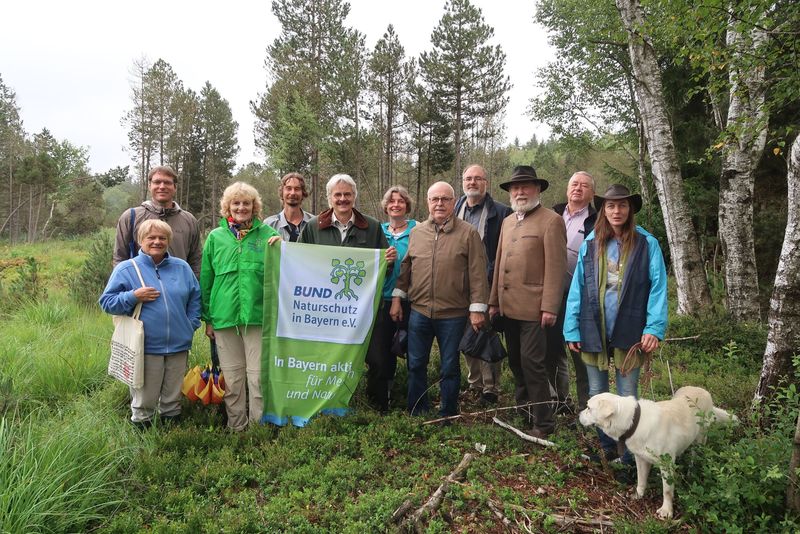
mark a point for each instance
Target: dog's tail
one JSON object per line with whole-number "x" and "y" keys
{"x": 724, "y": 417}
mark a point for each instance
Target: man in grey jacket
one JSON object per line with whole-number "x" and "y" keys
{"x": 486, "y": 214}
{"x": 291, "y": 220}
{"x": 185, "y": 244}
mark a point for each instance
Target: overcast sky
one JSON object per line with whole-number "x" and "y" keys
{"x": 69, "y": 62}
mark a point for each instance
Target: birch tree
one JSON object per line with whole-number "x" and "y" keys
{"x": 744, "y": 141}
{"x": 693, "y": 291}
{"x": 783, "y": 338}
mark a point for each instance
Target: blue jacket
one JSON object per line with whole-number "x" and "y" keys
{"x": 171, "y": 319}
{"x": 642, "y": 304}
{"x": 401, "y": 244}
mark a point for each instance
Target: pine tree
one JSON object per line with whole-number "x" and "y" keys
{"x": 217, "y": 144}
{"x": 390, "y": 76}
{"x": 464, "y": 72}
{"x": 308, "y": 65}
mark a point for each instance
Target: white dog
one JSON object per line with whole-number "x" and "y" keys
{"x": 651, "y": 429}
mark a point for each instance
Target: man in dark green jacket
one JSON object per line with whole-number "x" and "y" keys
{"x": 343, "y": 225}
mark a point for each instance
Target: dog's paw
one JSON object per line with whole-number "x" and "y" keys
{"x": 639, "y": 493}
{"x": 665, "y": 512}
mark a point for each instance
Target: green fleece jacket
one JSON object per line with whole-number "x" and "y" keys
{"x": 232, "y": 276}
{"x": 366, "y": 232}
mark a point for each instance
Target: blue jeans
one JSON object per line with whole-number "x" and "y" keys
{"x": 448, "y": 333}
{"x": 626, "y": 386}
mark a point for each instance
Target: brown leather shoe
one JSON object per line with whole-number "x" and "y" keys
{"x": 539, "y": 433}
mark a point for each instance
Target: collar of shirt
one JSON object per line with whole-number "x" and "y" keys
{"x": 344, "y": 227}
{"x": 583, "y": 212}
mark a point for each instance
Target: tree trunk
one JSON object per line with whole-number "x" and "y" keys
{"x": 792, "y": 493}
{"x": 783, "y": 338}
{"x": 745, "y": 141}
{"x": 693, "y": 292}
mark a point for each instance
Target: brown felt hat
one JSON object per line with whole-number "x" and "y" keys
{"x": 524, "y": 173}
{"x": 619, "y": 192}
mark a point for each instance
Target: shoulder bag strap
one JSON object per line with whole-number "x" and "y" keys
{"x": 132, "y": 242}
{"x": 138, "y": 309}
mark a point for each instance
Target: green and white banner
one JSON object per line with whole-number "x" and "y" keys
{"x": 320, "y": 304}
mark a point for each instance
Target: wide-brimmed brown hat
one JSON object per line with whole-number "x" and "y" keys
{"x": 524, "y": 173}
{"x": 619, "y": 192}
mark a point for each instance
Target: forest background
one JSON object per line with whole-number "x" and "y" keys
{"x": 696, "y": 108}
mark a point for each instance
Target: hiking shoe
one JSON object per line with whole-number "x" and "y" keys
{"x": 488, "y": 399}
{"x": 142, "y": 425}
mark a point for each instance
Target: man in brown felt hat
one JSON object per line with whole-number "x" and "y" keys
{"x": 527, "y": 289}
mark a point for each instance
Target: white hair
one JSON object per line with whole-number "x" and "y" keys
{"x": 337, "y": 178}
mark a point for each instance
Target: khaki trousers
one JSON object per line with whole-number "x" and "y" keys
{"x": 483, "y": 376}
{"x": 163, "y": 378}
{"x": 239, "y": 350}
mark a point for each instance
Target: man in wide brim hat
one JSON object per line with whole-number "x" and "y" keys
{"x": 524, "y": 173}
{"x": 618, "y": 192}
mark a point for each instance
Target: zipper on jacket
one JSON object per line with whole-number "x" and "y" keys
{"x": 433, "y": 267}
{"x": 166, "y": 305}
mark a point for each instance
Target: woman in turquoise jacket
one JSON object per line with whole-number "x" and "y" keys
{"x": 618, "y": 298}
{"x": 396, "y": 204}
{"x": 232, "y": 287}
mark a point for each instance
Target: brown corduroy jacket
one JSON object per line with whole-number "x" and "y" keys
{"x": 530, "y": 265}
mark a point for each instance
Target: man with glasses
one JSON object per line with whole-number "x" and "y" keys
{"x": 185, "y": 243}
{"x": 444, "y": 277}
{"x": 478, "y": 208}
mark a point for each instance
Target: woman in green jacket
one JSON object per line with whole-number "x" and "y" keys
{"x": 232, "y": 288}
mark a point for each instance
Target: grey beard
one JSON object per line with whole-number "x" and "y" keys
{"x": 529, "y": 206}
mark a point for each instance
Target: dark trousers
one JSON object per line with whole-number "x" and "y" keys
{"x": 527, "y": 358}
{"x": 448, "y": 333}
{"x": 558, "y": 366}
{"x": 381, "y": 363}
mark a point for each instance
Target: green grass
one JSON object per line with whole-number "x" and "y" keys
{"x": 70, "y": 461}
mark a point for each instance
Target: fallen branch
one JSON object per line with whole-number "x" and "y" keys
{"x": 435, "y": 500}
{"x": 402, "y": 510}
{"x": 500, "y": 515}
{"x": 523, "y": 435}
{"x": 564, "y": 520}
{"x": 682, "y": 338}
{"x": 482, "y": 412}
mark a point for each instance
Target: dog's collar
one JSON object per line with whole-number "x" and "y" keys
{"x": 628, "y": 433}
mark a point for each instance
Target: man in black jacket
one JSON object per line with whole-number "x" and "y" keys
{"x": 579, "y": 217}
{"x": 478, "y": 208}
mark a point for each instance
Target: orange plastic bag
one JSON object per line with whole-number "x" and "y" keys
{"x": 217, "y": 388}
{"x": 190, "y": 383}
{"x": 203, "y": 387}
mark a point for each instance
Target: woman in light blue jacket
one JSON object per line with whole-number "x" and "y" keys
{"x": 170, "y": 298}
{"x": 618, "y": 298}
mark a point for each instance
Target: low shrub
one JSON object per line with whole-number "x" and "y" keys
{"x": 92, "y": 276}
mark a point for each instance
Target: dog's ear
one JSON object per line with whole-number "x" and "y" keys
{"x": 605, "y": 410}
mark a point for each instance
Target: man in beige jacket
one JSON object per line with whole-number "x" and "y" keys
{"x": 527, "y": 289}
{"x": 443, "y": 274}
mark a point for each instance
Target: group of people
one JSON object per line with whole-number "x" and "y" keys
{"x": 578, "y": 282}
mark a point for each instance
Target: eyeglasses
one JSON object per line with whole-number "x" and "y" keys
{"x": 436, "y": 200}
{"x": 474, "y": 179}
